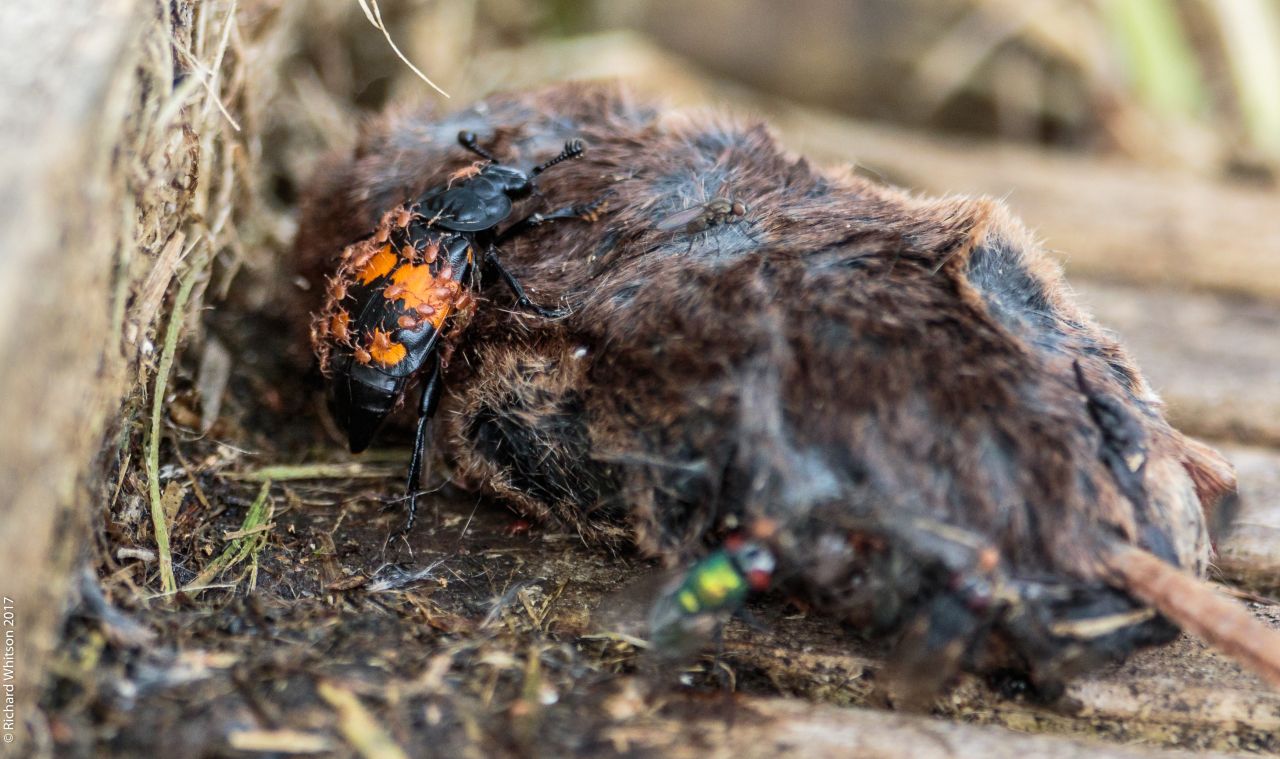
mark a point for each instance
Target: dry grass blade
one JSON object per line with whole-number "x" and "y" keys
{"x": 358, "y": 727}
{"x": 211, "y": 382}
{"x": 287, "y": 472}
{"x": 279, "y": 742}
{"x": 374, "y": 14}
{"x": 1250, "y": 32}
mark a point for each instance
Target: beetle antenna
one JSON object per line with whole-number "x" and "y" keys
{"x": 572, "y": 149}
{"x": 467, "y": 139}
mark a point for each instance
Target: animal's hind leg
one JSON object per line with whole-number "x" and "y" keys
{"x": 422, "y": 439}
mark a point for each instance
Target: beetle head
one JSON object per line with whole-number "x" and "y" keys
{"x": 514, "y": 182}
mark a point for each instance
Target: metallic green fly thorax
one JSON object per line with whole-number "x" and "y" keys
{"x": 693, "y": 607}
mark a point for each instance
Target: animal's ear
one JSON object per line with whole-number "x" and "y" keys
{"x": 1214, "y": 478}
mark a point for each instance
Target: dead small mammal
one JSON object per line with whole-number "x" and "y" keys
{"x": 948, "y": 449}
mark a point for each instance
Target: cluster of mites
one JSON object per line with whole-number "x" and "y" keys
{"x": 426, "y": 297}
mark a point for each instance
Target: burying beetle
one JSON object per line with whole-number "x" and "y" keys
{"x": 383, "y": 322}
{"x": 952, "y": 452}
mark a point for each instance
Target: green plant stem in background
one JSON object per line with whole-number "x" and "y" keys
{"x": 1250, "y": 32}
{"x": 1161, "y": 62}
{"x": 176, "y": 319}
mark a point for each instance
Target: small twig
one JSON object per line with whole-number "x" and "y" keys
{"x": 193, "y": 588}
{"x": 145, "y": 555}
{"x": 237, "y": 534}
{"x": 617, "y": 637}
{"x": 279, "y": 742}
{"x": 288, "y": 472}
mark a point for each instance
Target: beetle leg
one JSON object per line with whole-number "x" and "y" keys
{"x": 422, "y": 440}
{"x": 522, "y": 299}
{"x": 584, "y": 211}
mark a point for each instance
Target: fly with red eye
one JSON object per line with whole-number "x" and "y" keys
{"x": 395, "y": 291}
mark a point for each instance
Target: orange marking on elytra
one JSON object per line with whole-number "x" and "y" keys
{"x": 419, "y": 288}
{"x": 379, "y": 265}
{"x": 384, "y": 350}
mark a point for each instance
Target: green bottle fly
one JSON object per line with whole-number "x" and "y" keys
{"x": 692, "y": 608}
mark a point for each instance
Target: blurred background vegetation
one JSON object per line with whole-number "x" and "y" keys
{"x": 1192, "y": 84}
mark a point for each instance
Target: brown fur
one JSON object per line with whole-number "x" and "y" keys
{"x": 858, "y": 365}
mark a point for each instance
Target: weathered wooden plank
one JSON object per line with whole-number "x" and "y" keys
{"x": 1249, "y": 552}
{"x": 1214, "y": 359}
{"x": 60, "y": 83}
{"x": 787, "y": 727}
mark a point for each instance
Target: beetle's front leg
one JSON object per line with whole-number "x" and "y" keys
{"x": 494, "y": 265}
{"x": 589, "y": 212}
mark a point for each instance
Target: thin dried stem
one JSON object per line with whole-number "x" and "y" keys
{"x": 1195, "y": 607}
{"x": 374, "y": 14}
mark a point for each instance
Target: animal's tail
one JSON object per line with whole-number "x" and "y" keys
{"x": 1197, "y": 608}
